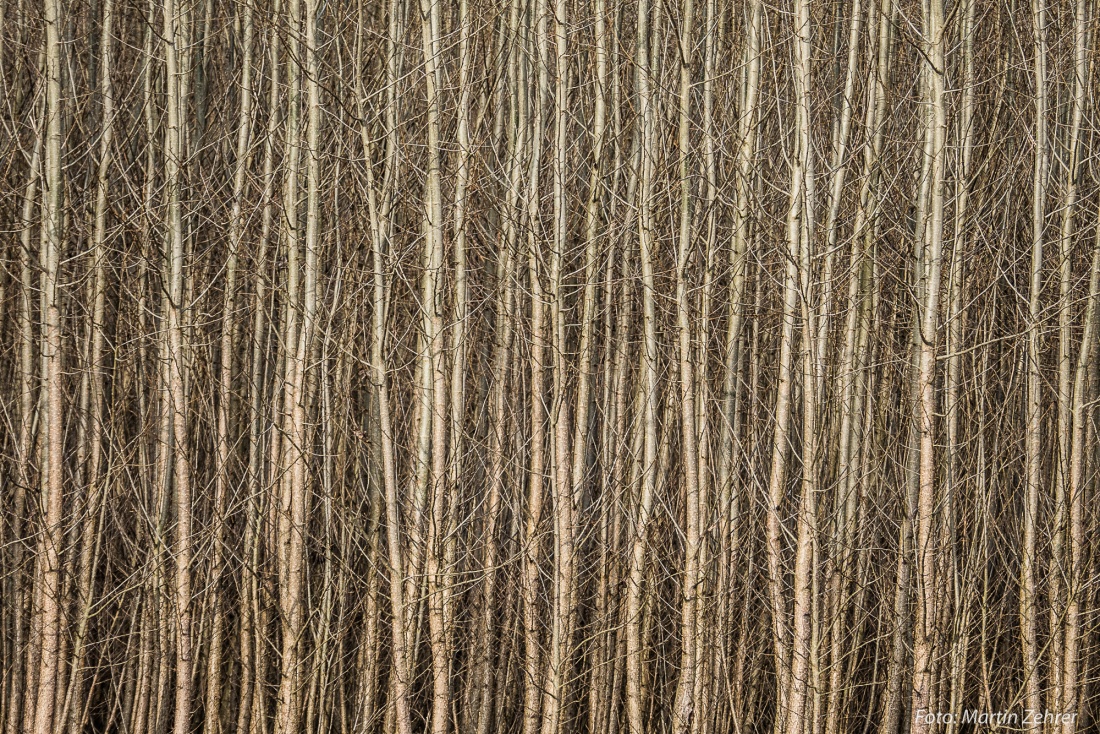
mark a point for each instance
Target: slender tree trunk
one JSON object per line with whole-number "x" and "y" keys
{"x": 48, "y": 600}
{"x": 435, "y": 395}
{"x": 777, "y": 476}
{"x": 648, "y": 387}
{"x": 1063, "y": 619}
{"x": 562, "y": 461}
{"x": 931, "y": 230}
{"x": 800, "y": 233}
{"x": 532, "y": 541}
{"x": 684, "y": 704}
{"x": 1029, "y": 603}
{"x": 23, "y": 633}
{"x": 175, "y": 368}
{"x": 1074, "y": 693}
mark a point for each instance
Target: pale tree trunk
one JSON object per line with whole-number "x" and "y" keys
{"x": 562, "y": 461}
{"x": 151, "y": 648}
{"x": 175, "y": 325}
{"x": 776, "y": 495}
{"x": 365, "y": 706}
{"x": 531, "y": 537}
{"x": 930, "y": 230}
{"x": 800, "y": 233}
{"x": 777, "y": 475}
{"x": 648, "y": 384}
{"x": 1075, "y": 692}
{"x": 460, "y": 330}
{"x": 161, "y": 591}
{"x": 48, "y": 602}
{"x": 683, "y": 707}
{"x": 1063, "y": 614}
{"x": 1029, "y": 602}
{"x": 420, "y": 479}
{"x": 402, "y": 675}
{"x": 532, "y": 541}
{"x": 18, "y": 688}
{"x": 287, "y": 448}
{"x": 433, "y": 343}
{"x": 710, "y": 631}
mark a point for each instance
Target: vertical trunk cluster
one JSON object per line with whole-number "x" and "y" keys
{"x": 547, "y": 366}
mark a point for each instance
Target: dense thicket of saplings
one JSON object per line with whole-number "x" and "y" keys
{"x": 548, "y": 366}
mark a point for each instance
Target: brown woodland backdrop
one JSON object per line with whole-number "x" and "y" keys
{"x": 548, "y": 366}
